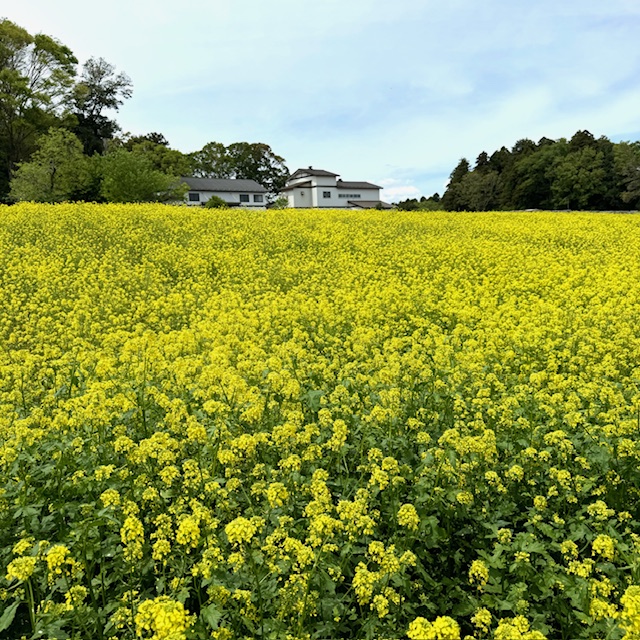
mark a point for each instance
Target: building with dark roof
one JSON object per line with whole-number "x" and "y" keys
{"x": 235, "y": 192}
{"x": 316, "y": 188}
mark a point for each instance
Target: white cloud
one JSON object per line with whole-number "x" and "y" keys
{"x": 396, "y": 190}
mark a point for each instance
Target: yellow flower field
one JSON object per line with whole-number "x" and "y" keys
{"x": 318, "y": 424}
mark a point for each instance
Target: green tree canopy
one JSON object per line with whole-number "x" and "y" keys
{"x": 252, "y": 161}
{"x": 580, "y": 173}
{"x": 579, "y": 179}
{"x": 57, "y": 171}
{"x": 212, "y": 161}
{"x": 36, "y": 80}
{"x": 130, "y": 177}
{"x": 627, "y": 160}
{"x": 533, "y": 177}
{"x": 452, "y": 199}
{"x": 156, "y": 149}
{"x": 257, "y": 161}
{"x": 99, "y": 89}
{"x": 479, "y": 190}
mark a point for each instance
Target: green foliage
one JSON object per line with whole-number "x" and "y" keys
{"x": 627, "y": 160}
{"x": 479, "y": 190}
{"x": 212, "y": 161}
{"x": 36, "y": 79}
{"x": 130, "y": 177}
{"x": 216, "y": 202}
{"x": 432, "y": 203}
{"x": 244, "y": 160}
{"x": 163, "y": 158}
{"x": 533, "y": 177}
{"x": 582, "y": 173}
{"x": 578, "y": 179}
{"x": 98, "y": 89}
{"x": 57, "y": 171}
{"x": 453, "y": 199}
{"x": 281, "y": 202}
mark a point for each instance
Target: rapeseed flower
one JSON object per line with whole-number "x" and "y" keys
{"x": 162, "y": 619}
{"x": 442, "y": 628}
{"x": 240, "y": 530}
{"x": 408, "y": 517}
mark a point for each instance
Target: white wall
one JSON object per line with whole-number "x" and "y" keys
{"x": 329, "y": 181}
{"x": 230, "y": 197}
{"x": 320, "y": 201}
{"x": 313, "y": 196}
{"x": 365, "y": 194}
{"x": 324, "y": 181}
{"x": 300, "y": 197}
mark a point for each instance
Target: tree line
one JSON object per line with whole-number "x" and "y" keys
{"x": 59, "y": 141}
{"x": 583, "y": 173}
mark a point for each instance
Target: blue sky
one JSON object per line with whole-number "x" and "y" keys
{"x": 394, "y": 92}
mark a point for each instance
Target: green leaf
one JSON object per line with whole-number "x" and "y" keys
{"x": 9, "y": 614}
{"x": 212, "y": 615}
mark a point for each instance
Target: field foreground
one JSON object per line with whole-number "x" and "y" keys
{"x": 318, "y": 424}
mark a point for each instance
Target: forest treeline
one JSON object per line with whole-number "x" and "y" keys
{"x": 583, "y": 173}
{"x": 60, "y": 142}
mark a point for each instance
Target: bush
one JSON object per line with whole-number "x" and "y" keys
{"x": 280, "y": 203}
{"x": 216, "y": 202}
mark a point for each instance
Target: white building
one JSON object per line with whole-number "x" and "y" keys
{"x": 313, "y": 188}
{"x": 235, "y": 192}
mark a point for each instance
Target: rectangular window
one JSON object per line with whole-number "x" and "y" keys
{"x": 244, "y": 197}
{"x": 326, "y": 194}
{"x": 194, "y": 197}
{"x": 258, "y": 198}
{"x": 350, "y": 195}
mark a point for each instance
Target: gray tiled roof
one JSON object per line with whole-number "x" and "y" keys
{"x": 223, "y": 184}
{"x": 313, "y": 172}
{"x": 343, "y": 184}
{"x": 370, "y": 204}
{"x": 298, "y": 185}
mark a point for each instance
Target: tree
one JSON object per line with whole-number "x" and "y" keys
{"x": 482, "y": 162}
{"x": 627, "y": 161}
{"x": 257, "y": 161}
{"x": 500, "y": 159}
{"x": 581, "y": 139}
{"x": 533, "y": 176}
{"x": 544, "y": 141}
{"x": 452, "y": 200}
{"x": 99, "y": 89}
{"x": 410, "y": 204}
{"x": 36, "y": 79}
{"x": 432, "y": 203}
{"x": 479, "y": 190}
{"x": 523, "y": 147}
{"x": 250, "y": 161}
{"x": 580, "y": 173}
{"x": 153, "y": 136}
{"x": 579, "y": 179}
{"x": 57, "y": 171}
{"x": 212, "y": 161}
{"x": 156, "y": 149}
{"x": 130, "y": 177}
